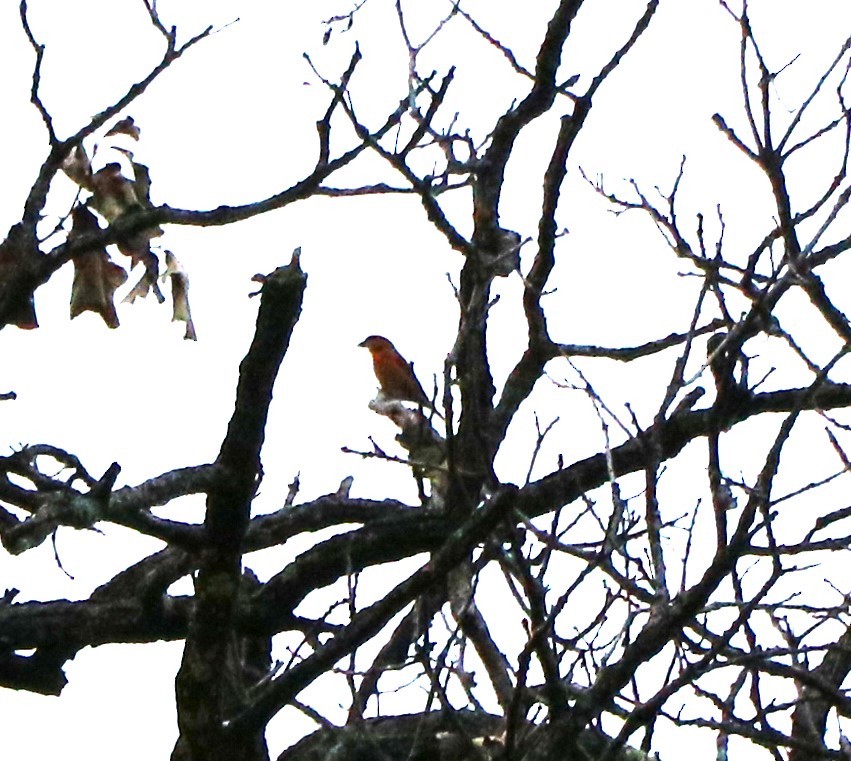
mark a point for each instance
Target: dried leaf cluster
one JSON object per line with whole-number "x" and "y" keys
{"x": 116, "y": 198}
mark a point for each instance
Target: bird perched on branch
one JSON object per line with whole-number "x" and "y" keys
{"x": 394, "y": 373}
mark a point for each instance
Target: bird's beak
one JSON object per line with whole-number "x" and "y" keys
{"x": 362, "y": 343}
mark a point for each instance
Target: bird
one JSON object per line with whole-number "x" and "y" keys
{"x": 394, "y": 373}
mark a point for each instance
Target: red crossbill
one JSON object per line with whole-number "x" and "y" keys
{"x": 396, "y": 376}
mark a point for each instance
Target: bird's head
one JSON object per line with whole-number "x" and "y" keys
{"x": 376, "y": 344}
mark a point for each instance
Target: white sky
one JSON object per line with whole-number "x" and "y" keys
{"x": 233, "y": 122}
